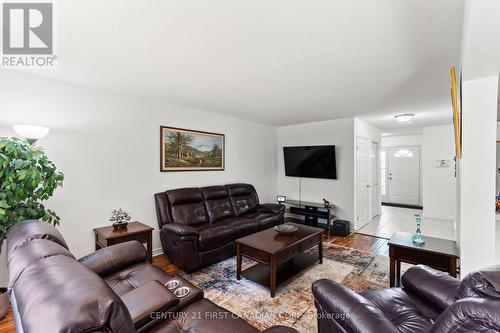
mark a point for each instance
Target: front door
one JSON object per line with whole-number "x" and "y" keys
{"x": 362, "y": 193}
{"x": 404, "y": 175}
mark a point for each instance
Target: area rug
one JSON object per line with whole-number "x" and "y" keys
{"x": 293, "y": 305}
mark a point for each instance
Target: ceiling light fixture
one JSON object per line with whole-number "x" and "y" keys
{"x": 404, "y": 117}
{"x": 31, "y": 133}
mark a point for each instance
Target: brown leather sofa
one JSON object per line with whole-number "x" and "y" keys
{"x": 114, "y": 289}
{"x": 428, "y": 301}
{"x": 198, "y": 226}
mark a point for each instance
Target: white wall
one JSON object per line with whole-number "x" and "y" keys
{"x": 476, "y": 213}
{"x": 402, "y": 140}
{"x": 107, "y": 146}
{"x": 340, "y": 192}
{"x": 439, "y": 183}
{"x": 373, "y": 134}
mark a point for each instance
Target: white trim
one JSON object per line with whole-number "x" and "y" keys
{"x": 157, "y": 252}
{"x": 439, "y": 216}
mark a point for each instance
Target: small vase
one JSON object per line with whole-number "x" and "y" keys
{"x": 4, "y": 303}
{"x": 417, "y": 238}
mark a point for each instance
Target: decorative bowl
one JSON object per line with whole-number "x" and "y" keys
{"x": 285, "y": 229}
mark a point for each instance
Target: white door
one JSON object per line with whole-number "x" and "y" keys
{"x": 362, "y": 193}
{"x": 404, "y": 175}
{"x": 384, "y": 175}
{"x": 374, "y": 181}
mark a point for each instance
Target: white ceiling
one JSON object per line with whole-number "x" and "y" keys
{"x": 273, "y": 61}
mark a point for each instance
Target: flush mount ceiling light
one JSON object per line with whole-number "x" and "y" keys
{"x": 31, "y": 133}
{"x": 404, "y": 117}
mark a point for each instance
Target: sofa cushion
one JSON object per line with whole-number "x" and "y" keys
{"x": 187, "y": 206}
{"x": 242, "y": 226}
{"x": 264, "y": 220}
{"x": 215, "y": 236}
{"x": 243, "y": 198}
{"x": 408, "y": 313}
{"x": 217, "y": 202}
{"x": 204, "y": 317}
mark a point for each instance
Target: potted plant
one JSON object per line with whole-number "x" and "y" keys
{"x": 27, "y": 178}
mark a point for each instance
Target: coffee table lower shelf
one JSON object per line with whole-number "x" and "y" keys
{"x": 260, "y": 273}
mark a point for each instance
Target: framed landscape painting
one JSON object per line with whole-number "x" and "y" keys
{"x": 189, "y": 150}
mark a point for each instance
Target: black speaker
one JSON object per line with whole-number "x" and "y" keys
{"x": 341, "y": 228}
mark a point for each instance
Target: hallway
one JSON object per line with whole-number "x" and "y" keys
{"x": 395, "y": 219}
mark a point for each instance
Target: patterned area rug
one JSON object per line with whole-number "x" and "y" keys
{"x": 293, "y": 305}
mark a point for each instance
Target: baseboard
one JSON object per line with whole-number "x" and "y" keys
{"x": 439, "y": 217}
{"x": 157, "y": 252}
{"x": 390, "y": 204}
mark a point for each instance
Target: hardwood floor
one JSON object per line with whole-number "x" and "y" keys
{"x": 366, "y": 243}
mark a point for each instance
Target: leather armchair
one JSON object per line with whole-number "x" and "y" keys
{"x": 428, "y": 301}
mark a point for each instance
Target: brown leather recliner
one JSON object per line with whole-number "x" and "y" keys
{"x": 114, "y": 289}
{"x": 428, "y": 301}
{"x": 198, "y": 226}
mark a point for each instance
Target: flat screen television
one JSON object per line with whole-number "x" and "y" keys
{"x": 310, "y": 162}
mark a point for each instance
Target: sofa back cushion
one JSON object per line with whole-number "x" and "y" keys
{"x": 243, "y": 197}
{"x": 217, "y": 202}
{"x": 29, "y": 253}
{"x": 482, "y": 283}
{"x": 187, "y": 206}
{"x": 24, "y": 232}
{"x": 58, "y": 294}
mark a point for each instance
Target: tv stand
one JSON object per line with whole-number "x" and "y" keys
{"x": 312, "y": 211}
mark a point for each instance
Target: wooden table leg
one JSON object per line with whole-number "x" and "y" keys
{"x": 238, "y": 262}
{"x": 392, "y": 263}
{"x": 272, "y": 276}
{"x": 150, "y": 246}
{"x": 398, "y": 272}
{"x": 320, "y": 252}
{"x": 453, "y": 267}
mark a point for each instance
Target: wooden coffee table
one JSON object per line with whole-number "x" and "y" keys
{"x": 440, "y": 254}
{"x": 279, "y": 256}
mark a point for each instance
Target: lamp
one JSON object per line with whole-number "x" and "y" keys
{"x": 404, "y": 117}
{"x": 31, "y": 133}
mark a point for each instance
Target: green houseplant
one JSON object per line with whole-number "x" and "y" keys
{"x": 27, "y": 178}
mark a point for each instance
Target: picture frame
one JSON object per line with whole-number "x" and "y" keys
{"x": 457, "y": 126}
{"x": 191, "y": 150}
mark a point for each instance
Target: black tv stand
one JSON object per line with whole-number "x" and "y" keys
{"x": 312, "y": 212}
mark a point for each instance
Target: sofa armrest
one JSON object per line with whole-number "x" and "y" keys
{"x": 280, "y": 329}
{"x": 271, "y": 208}
{"x": 144, "y": 301}
{"x": 180, "y": 229}
{"x": 349, "y": 310}
{"x": 435, "y": 287}
{"x": 113, "y": 258}
{"x": 470, "y": 315}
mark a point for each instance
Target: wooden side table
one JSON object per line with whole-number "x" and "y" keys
{"x": 107, "y": 236}
{"x": 440, "y": 254}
